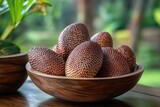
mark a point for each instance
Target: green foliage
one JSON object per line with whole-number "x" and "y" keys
{"x": 157, "y": 15}
{"x": 149, "y": 14}
{"x": 116, "y": 14}
{"x": 1, "y": 1}
{"x": 36, "y": 38}
{"x": 8, "y": 48}
{"x": 113, "y": 15}
{"x": 63, "y": 13}
{"x": 18, "y": 10}
{"x": 147, "y": 55}
{"x": 3, "y": 7}
{"x": 15, "y": 8}
{"x": 15, "y": 11}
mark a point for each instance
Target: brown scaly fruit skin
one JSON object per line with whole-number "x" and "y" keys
{"x": 84, "y": 61}
{"x": 129, "y": 55}
{"x": 70, "y": 37}
{"x": 114, "y": 64}
{"x": 104, "y": 39}
{"x": 46, "y": 61}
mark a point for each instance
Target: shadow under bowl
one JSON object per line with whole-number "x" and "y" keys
{"x": 12, "y": 72}
{"x": 84, "y": 89}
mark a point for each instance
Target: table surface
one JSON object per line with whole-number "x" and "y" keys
{"x": 30, "y": 96}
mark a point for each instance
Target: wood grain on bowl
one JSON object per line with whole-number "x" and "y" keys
{"x": 10, "y": 83}
{"x": 10, "y": 68}
{"x": 84, "y": 89}
{"x": 19, "y": 59}
{"x": 12, "y": 72}
{"x": 14, "y": 77}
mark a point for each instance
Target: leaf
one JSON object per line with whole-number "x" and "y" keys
{"x": 8, "y": 48}
{"x": 1, "y": 1}
{"x": 15, "y": 10}
{"x": 7, "y": 31}
{"x": 4, "y": 43}
{"x": 27, "y": 5}
{"x": 3, "y": 9}
{"x": 19, "y": 9}
{"x": 15, "y": 7}
{"x": 19, "y": 6}
{"x": 157, "y": 15}
{"x": 12, "y": 13}
{"x": 46, "y": 2}
{"x": 30, "y": 3}
{"x": 41, "y": 5}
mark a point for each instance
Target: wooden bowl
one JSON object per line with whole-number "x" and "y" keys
{"x": 12, "y": 72}
{"x": 84, "y": 89}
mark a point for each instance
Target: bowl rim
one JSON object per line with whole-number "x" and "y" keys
{"x": 140, "y": 69}
{"x": 14, "y": 55}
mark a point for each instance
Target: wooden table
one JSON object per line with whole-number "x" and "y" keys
{"x": 30, "y": 96}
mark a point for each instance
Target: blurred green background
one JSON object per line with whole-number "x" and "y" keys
{"x": 132, "y": 22}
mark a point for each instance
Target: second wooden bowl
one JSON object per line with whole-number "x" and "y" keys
{"x": 12, "y": 72}
{"x": 84, "y": 89}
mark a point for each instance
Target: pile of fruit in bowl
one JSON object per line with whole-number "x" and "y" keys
{"x": 84, "y": 69}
